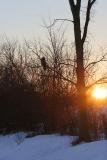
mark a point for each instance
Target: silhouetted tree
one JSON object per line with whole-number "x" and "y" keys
{"x": 76, "y": 7}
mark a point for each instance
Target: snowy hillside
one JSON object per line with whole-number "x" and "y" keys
{"x": 49, "y": 147}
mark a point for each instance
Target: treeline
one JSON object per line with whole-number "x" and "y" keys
{"x": 37, "y": 91}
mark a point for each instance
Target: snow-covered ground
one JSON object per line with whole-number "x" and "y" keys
{"x": 49, "y": 147}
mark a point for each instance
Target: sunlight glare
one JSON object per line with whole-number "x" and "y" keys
{"x": 99, "y": 93}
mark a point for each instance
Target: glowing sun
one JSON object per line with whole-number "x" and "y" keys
{"x": 99, "y": 92}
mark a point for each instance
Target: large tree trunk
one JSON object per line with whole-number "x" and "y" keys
{"x": 80, "y": 71}
{"x": 81, "y": 89}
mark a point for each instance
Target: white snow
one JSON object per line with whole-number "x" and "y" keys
{"x": 49, "y": 147}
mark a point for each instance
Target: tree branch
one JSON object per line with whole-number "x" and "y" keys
{"x": 59, "y": 19}
{"x": 63, "y": 77}
{"x": 72, "y": 3}
{"x": 99, "y": 81}
{"x": 102, "y": 59}
{"x": 78, "y": 4}
{"x": 93, "y": 1}
{"x": 89, "y": 6}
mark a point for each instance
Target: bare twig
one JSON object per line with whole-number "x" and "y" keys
{"x": 102, "y": 59}
{"x": 60, "y": 19}
{"x": 99, "y": 81}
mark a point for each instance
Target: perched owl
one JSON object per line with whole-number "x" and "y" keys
{"x": 43, "y": 63}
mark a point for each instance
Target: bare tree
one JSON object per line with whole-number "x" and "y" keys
{"x": 80, "y": 39}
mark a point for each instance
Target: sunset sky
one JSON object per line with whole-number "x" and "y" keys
{"x": 23, "y": 18}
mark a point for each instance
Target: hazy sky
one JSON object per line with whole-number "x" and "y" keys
{"x": 23, "y": 18}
